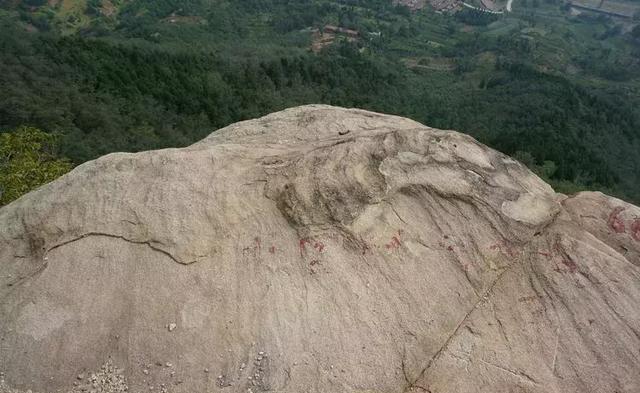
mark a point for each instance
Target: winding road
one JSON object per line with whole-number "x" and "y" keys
{"x": 482, "y": 9}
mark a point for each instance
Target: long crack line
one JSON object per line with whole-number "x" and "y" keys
{"x": 147, "y": 243}
{"x": 437, "y": 355}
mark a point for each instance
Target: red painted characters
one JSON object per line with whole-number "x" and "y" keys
{"x": 316, "y": 245}
{"x": 319, "y": 246}
{"x": 302, "y": 244}
{"x": 395, "y": 241}
{"x": 615, "y": 222}
{"x": 635, "y": 229}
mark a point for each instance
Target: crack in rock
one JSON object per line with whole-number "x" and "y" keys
{"x": 148, "y": 243}
{"x": 444, "y": 346}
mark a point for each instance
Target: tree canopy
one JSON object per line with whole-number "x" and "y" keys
{"x": 27, "y": 160}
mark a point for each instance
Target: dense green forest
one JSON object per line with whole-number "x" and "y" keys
{"x": 557, "y": 91}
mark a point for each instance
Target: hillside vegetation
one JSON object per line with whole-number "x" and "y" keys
{"x": 556, "y": 90}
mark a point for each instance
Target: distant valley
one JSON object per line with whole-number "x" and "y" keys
{"x": 555, "y": 84}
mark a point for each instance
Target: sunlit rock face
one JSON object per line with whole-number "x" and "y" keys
{"x": 318, "y": 249}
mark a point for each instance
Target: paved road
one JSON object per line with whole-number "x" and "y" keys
{"x": 482, "y": 9}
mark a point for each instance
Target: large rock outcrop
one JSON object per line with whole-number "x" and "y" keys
{"x": 319, "y": 249}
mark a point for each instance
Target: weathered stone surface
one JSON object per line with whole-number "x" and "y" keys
{"x": 319, "y": 249}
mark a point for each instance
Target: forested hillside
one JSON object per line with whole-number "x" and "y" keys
{"x": 558, "y": 91}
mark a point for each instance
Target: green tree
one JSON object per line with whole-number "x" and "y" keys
{"x": 27, "y": 161}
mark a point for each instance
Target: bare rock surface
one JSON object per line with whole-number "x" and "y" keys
{"x": 318, "y": 249}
